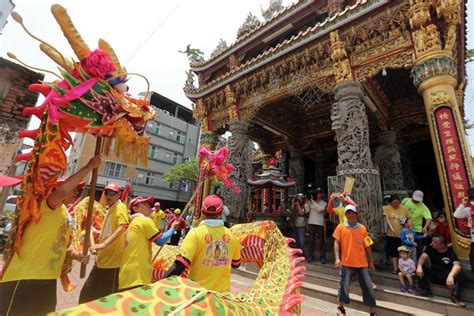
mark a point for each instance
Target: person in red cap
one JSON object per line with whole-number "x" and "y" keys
{"x": 28, "y": 286}
{"x": 158, "y": 215}
{"x": 209, "y": 250}
{"x": 103, "y": 279}
{"x": 136, "y": 268}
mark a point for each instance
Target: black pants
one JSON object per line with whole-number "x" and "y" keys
{"x": 314, "y": 230}
{"x": 27, "y": 297}
{"x": 100, "y": 283}
{"x": 174, "y": 240}
{"x": 439, "y": 277}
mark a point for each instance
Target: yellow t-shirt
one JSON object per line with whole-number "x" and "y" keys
{"x": 43, "y": 248}
{"x": 111, "y": 256}
{"x": 211, "y": 248}
{"x": 136, "y": 259}
{"x": 393, "y": 216}
{"x": 341, "y": 213}
{"x": 157, "y": 217}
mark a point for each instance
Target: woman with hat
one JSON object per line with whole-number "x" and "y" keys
{"x": 209, "y": 250}
{"x": 136, "y": 267}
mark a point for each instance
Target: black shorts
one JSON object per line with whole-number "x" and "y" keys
{"x": 393, "y": 244}
{"x": 100, "y": 283}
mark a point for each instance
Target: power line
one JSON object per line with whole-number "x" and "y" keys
{"x": 147, "y": 38}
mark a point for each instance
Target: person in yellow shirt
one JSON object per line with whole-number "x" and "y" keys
{"x": 209, "y": 250}
{"x": 341, "y": 200}
{"x": 158, "y": 215}
{"x": 136, "y": 267}
{"x": 103, "y": 278}
{"x": 28, "y": 285}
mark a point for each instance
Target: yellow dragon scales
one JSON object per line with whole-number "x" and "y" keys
{"x": 275, "y": 291}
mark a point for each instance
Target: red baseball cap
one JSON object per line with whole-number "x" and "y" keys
{"x": 212, "y": 204}
{"x": 139, "y": 200}
{"x": 9, "y": 181}
{"x": 112, "y": 187}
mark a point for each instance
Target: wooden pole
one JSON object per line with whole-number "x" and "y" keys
{"x": 186, "y": 208}
{"x": 87, "y": 235}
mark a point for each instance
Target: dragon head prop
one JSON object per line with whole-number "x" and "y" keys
{"x": 89, "y": 96}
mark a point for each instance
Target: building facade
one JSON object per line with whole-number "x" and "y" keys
{"x": 174, "y": 138}
{"x": 14, "y": 98}
{"x": 368, "y": 89}
{"x": 6, "y": 8}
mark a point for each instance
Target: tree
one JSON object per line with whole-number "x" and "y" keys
{"x": 185, "y": 171}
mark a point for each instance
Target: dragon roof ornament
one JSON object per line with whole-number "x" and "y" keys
{"x": 251, "y": 22}
{"x": 275, "y": 7}
{"x": 221, "y": 46}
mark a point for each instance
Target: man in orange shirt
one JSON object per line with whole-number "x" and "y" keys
{"x": 352, "y": 239}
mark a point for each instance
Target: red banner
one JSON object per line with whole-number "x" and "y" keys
{"x": 452, "y": 155}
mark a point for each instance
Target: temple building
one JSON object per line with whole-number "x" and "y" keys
{"x": 371, "y": 89}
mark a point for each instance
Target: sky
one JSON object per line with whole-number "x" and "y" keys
{"x": 146, "y": 35}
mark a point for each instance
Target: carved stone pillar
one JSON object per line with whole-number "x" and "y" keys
{"x": 240, "y": 156}
{"x": 435, "y": 76}
{"x": 296, "y": 171}
{"x": 406, "y": 159}
{"x": 387, "y": 157}
{"x": 350, "y": 123}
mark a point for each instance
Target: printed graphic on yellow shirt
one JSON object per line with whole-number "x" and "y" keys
{"x": 217, "y": 254}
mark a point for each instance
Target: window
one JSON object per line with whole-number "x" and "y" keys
{"x": 114, "y": 170}
{"x": 180, "y": 137}
{"x": 157, "y": 129}
{"x": 152, "y": 152}
{"x": 149, "y": 178}
{"x": 173, "y": 185}
{"x": 176, "y": 158}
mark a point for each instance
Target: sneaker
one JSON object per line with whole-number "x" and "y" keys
{"x": 457, "y": 301}
{"x": 323, "y": 260}
{"x": 425, "y": 293}
{"x": 341, "y": 311}
{"x": 403, "y": 288}
{"x": 412, "y": 290}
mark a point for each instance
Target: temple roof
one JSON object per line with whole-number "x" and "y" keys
{"x": 241, "y": 41}
{"x": 360, "y": 8}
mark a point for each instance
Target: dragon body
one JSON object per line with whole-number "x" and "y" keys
{"x": 275, "y": 291}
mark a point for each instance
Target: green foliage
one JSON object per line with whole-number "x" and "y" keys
{"x": 186, "y": 171}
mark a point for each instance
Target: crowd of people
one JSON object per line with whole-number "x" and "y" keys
{"x": 414, "y": 236}
{"x": 123, "y": 248}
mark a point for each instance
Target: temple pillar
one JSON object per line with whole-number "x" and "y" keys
{"x": 387, "y": 158}
{"x": 435, "y": 76}
{"x": 296, "y": 171}
{"x": 240, "y": 156}
{"x": 350, "y": 123}
{"x": 407, "y": 168}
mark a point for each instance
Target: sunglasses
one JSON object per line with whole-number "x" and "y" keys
{"x": 110, "y": 193}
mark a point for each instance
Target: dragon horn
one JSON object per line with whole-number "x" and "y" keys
{"x": 106, "y": 47}
{"x": 78, "y": 45}
{"x": 64, "y": 63}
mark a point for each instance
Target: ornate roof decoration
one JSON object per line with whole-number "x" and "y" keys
{"x": 268, "y": 23}
{"x": 275, "y": 7}
{"x": 360, "y": 8}
{"x": 222, "y": 46}
{"x": 251, "y": 22}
